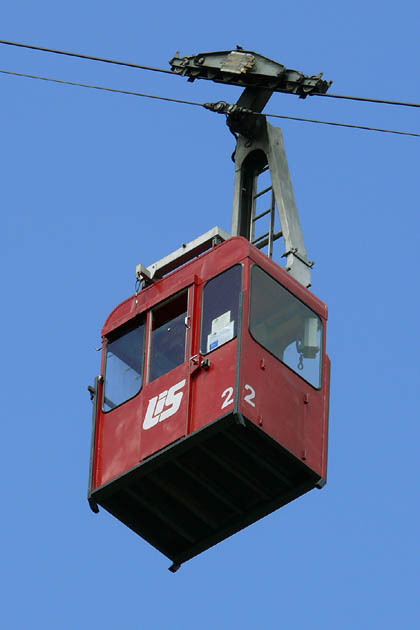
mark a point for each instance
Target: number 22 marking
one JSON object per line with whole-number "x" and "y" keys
{"x": 228, "y": 396}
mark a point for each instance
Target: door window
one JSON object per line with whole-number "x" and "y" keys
{"x": 168, "y": 336}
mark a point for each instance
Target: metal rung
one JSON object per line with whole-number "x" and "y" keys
{"x": 261, "y": 215}
{"x": 267, "y": 239}
{"x": 276, "y": 236}
{"x": 260, "y": 237}
{"x": 262, "y": 192}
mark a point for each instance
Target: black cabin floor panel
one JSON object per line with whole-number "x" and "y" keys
{"x": 199, "y": 491}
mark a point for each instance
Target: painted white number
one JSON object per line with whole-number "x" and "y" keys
{"x": 228, "y": 397}
{"x": 170, "y": 400}
{"x": 249, "y": 398}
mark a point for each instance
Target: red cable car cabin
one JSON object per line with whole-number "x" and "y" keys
{"x": 212, "y": 410}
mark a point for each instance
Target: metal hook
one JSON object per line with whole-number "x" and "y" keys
{"x": 300, "y": 364}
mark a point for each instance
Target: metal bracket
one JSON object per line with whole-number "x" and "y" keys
{"x": 239, "y": 119}
{"x": 248, "y": 68}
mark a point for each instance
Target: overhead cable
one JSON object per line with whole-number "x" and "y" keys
{"x": 336, "y": 124}
{"x": 143, "y": 67}
{"x": 90, "y": 57}
{"x": 184, "y": 102}
{"x": 99, "y": 87}
{"x": 368, "y": 100}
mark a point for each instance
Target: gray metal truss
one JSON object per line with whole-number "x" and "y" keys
{"x": 252, "y": 156}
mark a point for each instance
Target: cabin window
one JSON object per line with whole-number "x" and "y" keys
{"x": 285, "y": 326}
{"x": 219, "y": 323}
{"x": 123, "y": 367}
{"x": 168, "y": 336}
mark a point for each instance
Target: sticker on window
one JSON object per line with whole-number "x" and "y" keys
{"x": 222, "y": 331}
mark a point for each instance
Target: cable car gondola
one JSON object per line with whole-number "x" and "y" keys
{"x": 211, "y": 408}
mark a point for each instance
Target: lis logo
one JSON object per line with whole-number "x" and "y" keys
{"x": 163, "y": 406}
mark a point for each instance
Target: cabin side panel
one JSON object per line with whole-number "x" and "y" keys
{"x": 272, "y": 392}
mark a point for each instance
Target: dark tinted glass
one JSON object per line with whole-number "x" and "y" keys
{"x": 123, "y": 368}
{"x": 220, "y": 309}
{"x": 168, "y": 336}
{"x": 285, "y": 326}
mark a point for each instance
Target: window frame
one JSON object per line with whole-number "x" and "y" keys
{"x": 321, "y": 345}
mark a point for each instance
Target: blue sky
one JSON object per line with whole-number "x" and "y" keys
{"x": 94, "y": 183}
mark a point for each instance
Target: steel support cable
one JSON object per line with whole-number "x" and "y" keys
{"x": 184, "y": 102}
{"x": 90, "y": 57}
{"x": 368, "y": 100}
{"x": 99, "y": 87}
{"x": 143, "y": 67}
{"x": 336, "y": 124}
